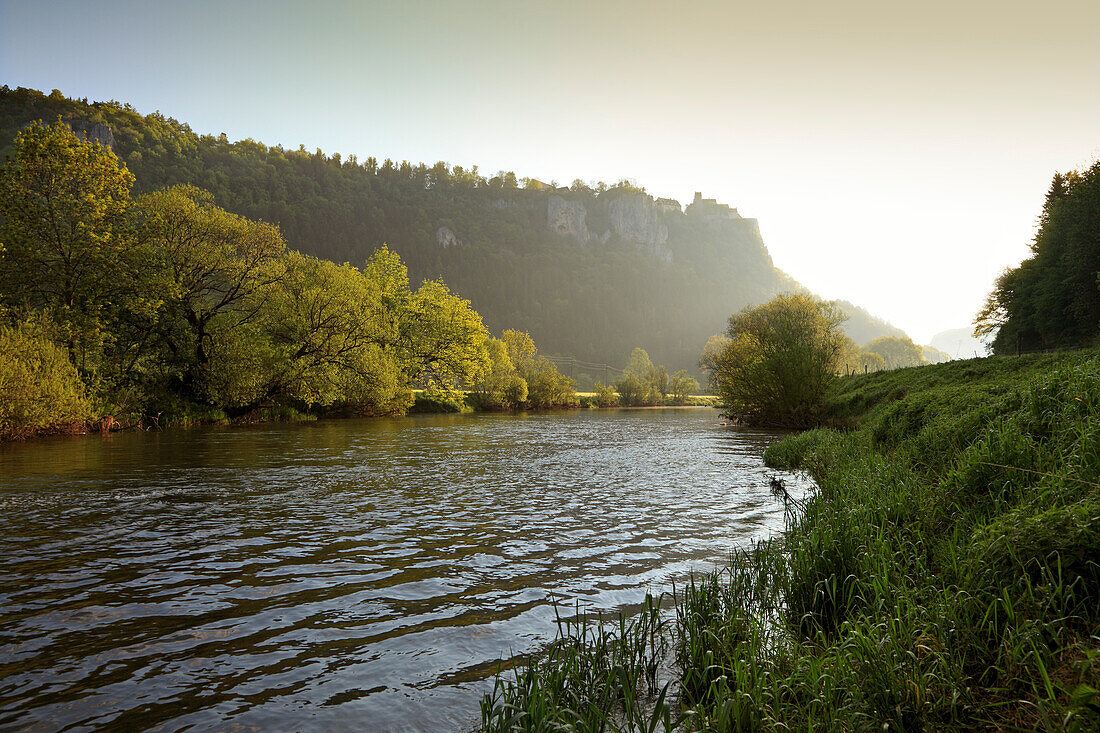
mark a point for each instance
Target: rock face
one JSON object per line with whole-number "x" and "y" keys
{"x": 445, "y": 238}
{"x": 95, "y": 131}
{"x": 567, "y": 218}
{"x": 634, "y": 217}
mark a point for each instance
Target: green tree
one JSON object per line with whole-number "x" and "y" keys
{"x": 642, "y": 383}
{"x": 64, "y": 205}
{"x": 220, "y": 269}
{"x": 777, "y": 361}
{"x": 635, "y": 391}
{"x": 896, "y": 352}
{"x": 681, "y": 386}
{"x": 604, "y": 395}
{"x": 314, "y": 343}
{"x": 443, "y": 340}
{"x": 640, "y": 365}
{"x": 519, "y": 345}
{"x": 499, "y": 387}
{"x": 858, "y": 360}
{"x": 1052, "y": 300}
{"x": 546, "y": 386}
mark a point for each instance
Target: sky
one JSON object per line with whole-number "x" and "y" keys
{"x": 896, "y": 154}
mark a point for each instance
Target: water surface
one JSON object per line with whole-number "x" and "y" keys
{"x": 355, "y": 573}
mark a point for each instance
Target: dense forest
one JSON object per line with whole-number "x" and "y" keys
{"x": 589, "y": 271}
{"x": 1052, "y": 300}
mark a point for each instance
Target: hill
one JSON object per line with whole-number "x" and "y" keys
{"x": 959, "y": 343}
{"x": 590, "y": 271}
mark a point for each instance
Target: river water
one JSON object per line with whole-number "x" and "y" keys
{"x": 343, "y": 574}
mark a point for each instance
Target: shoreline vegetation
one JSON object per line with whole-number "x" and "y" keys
{"x": 164, "y": 309}
{"x": 945, "y": 576}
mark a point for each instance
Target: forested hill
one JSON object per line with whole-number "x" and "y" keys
{"x": 589, "y": 272}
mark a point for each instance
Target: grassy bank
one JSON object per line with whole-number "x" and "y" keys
{"x": 945, "y": 576}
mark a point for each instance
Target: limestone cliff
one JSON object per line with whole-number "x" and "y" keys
{"x": 95, "y": 131}
{"x": 567, "y": 218}
{"x": 634, "y": 217}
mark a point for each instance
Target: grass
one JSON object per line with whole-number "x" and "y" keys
{"x": 598, "y": 675}
{"x": 945, "y": 576}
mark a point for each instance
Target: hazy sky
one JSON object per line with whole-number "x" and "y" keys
{"x": 896, "y": 154}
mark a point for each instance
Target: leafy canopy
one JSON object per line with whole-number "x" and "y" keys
{"x": 777, "y": 360}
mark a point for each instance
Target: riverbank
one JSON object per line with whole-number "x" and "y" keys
{"x": 422, "y": 403}
{"x": 429, "y": 403}
{"x": 945, "y": 576}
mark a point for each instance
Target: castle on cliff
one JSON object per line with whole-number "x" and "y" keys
{"x": 710, "y": 207}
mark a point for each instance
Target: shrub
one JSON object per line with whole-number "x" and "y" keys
{"x": 40, "y": 390}
{"x": 604, "y": 395}
{"x": 778, "y": 361}
{"x": 633, "y": 392}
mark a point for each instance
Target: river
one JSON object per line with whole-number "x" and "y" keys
{"x": 343, "y": 574}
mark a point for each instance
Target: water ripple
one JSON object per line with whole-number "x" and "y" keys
{"x": 345, "y": 573}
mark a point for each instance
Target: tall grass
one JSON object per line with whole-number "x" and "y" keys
{"x": 598, "y": 675}
{"x": 945, "y": 576}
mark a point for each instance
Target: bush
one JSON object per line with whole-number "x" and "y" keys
{"x": 40, "y": 390}
{"x": 546, "y": 386}
{"x": 635, "y": 392}
{"x": 681, "y": 386}
{"x": 778, "y": 361}
{"x": 604, "y": 395}
{"x": 432, "y": 401}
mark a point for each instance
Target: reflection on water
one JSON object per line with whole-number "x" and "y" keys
{"x": 360, "y": 573}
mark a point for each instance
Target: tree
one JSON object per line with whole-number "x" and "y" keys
{"x": 546, "y": 386}
{"x": 499, "y": 387}
{"x": 220, "y": 268}
{"x": 519, "y": 345}
{"x": 315, "y": 343}
{"x": 634, "y": 391}
{"x": 64, "y": 205}
{"x": 777, "y": 361}
{"x": 604, "y": 395}
{"x": 1052, "y": 300}
{"x": 681, "y": 386}
{"x": 896, "y": 352}
{"x": 442, "y": 338}
{"x": 642, "y": 383}
{"x": 40, "y": 390}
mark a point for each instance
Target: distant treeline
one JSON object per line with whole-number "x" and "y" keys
{"x": 487, "y": 236}
{"x": 1052, "y": 300}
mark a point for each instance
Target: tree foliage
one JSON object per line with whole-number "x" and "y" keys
{"x": 645, "y": 383}
{"x": 170, "y": 302}
{"x": 896, "y": 352}
{"x": 546, "y": 386}
{"x": 499, "y": 387}
{"x": 40, "y": 389}
{"x": 1052, "y": 300}
{"x": 65, "y": 226}
{"x": 776, "y": 362}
